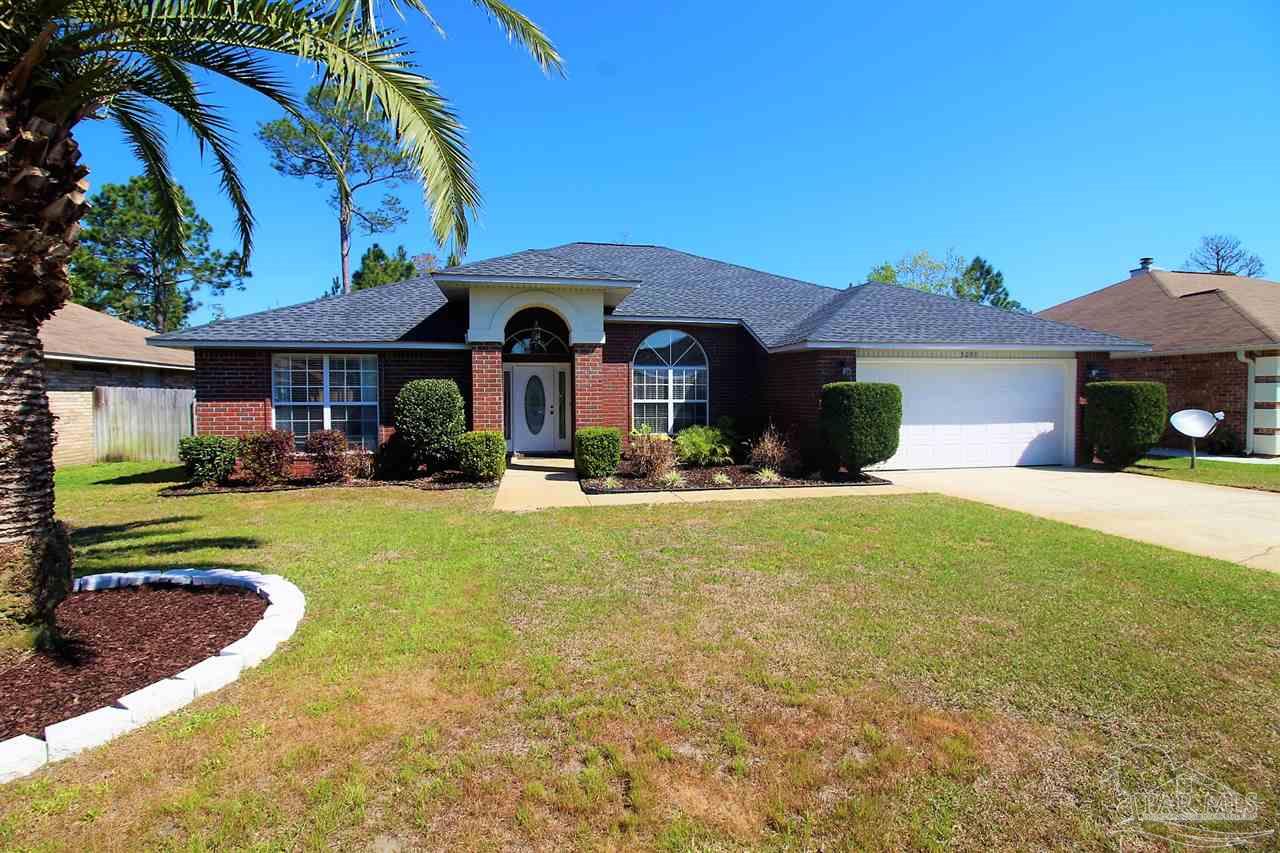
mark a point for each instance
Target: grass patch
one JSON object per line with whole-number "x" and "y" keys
{"x": 864, "y": 673}
{"x": 1241, "y": 475}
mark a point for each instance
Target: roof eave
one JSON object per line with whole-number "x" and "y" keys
{"x": 115, "y": 362}
{"x": 968, "y": 345}
{"x": 622, "y": 284}
{"x": 285, "y": 344}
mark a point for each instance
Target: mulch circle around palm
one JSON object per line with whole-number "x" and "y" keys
{"x": 118, "y": 641}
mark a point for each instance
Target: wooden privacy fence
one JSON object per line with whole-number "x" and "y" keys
{"x": 140, "y": 423}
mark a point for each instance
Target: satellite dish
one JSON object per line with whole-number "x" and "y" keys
{"x": 1195, "y": 423}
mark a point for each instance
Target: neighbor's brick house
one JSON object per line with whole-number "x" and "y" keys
{"x": 543, "y": 342}
{"x": 1215, "y": 344}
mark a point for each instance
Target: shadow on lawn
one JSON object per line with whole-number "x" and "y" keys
{"x": 174, "y": 474}
{"x": 85, "y": 536}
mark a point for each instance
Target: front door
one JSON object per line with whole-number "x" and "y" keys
{"x": 539, "y": 408}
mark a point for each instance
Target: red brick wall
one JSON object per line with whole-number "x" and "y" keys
{"x": 793, "y": 387}
{"x": 594, "y": 397}
{"x": 233, "y": 391}
{"x": 733, "y": 360}
{"x": 1212, "y": 381}
{"x": 486, "y": 387}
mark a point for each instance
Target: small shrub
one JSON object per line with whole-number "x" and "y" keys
{"x": 1225, "y": 441}
{"x": 264, "y": 456}
{"x": 771, "y": 450}
{"x": 394, "y": 460}
{"x": 431, "y": 415}
{"x": 597, "y": 451}
{"x": 360, "y": 465}
{"x": 1123, "y": 420}
{"x": 720, "y": 478}
{"x": 328, "y": 451}
{"x": 702, "y": 446}
{"x": 209, "y": 458}
{"x": 768, "y": 475}
{"x": 651, "y": 454}
{"x": 672, "y": 479}
{"x": 611, "y": 483}
{"x": 482, "y": 456}
{"x": 859, "y": 423}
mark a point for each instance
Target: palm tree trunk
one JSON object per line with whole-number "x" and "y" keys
{"x": 35, "y": 558}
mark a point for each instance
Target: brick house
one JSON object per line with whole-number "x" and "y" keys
{"x": 544, "y": 341}
{"x": 87, "y": 354}
{"x": 1215, "y": 344}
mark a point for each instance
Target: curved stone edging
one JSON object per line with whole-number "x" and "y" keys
{"x": 24, "y": 754}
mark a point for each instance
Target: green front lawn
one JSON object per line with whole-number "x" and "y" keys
{"x": 844, "y": 673}
{"x": 1239, "y": 474}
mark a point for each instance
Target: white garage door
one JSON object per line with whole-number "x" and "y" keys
{"x": 961, "y": 413}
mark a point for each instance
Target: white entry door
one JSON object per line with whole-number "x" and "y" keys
{"x": 962, "y": 413}
{"x": 539, "y": 408}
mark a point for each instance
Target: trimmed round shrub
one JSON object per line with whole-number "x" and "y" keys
{"x": 1123, "y": 420}
{"x": 209, "y": 458}
{"x": 702, "y": 446}
{"x": 859, "y": 423}
{"x": 264, "y": 456}
{"x": 328, "y": 451}
{"x": 431, "y": 415}
{"x": 482, "y": 456}
{"x": 597, "y": 451}
{"x": 394, "y": 459}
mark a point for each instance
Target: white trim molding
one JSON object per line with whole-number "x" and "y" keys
{"x": 115, "y": 362}
{"x": 23, "y": 755}
{"x": 306, "y": 346}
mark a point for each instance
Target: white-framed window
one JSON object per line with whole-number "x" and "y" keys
{"x": 669, "y": 378}
{"x": 314, "y": 392}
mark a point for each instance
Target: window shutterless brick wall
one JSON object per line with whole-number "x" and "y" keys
{"x": 233, "y": 391}
{"x": 486, "y": 387}
{"x": 734, "y": 362}
{"x": 396, "y": 367}
{"x": 793, "y": 387}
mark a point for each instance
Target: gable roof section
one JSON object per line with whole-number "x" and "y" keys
{"x": 378, "y": 315}
{"x": 1181, "y": 311}
{"x": 664, "y": 285}
{"x": 82, "y": 334}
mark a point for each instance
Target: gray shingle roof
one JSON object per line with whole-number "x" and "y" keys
{"x": 379, "y": 314}
{"x": 535, "y": 263}
{"x": 780, "y": 311}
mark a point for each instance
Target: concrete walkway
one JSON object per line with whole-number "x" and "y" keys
{"x": 533, "y": 483}
{"x": 1239, "y": 525}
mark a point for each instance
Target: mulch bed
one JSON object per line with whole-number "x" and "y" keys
{"x": 119, "y": 641}
{"x": 742, "y": 477}
{"x": 439, "y": 481}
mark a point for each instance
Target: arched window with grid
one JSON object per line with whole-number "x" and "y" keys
{"x": 669, "y": 381}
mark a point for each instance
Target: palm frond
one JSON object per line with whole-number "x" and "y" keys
{"x": 520, "y": 29}
{"x": 140, "y": 125}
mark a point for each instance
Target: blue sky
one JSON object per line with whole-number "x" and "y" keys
{"x": 819, "y": 139}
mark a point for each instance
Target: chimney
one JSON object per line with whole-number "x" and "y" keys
{"x": 1144, "y": 265}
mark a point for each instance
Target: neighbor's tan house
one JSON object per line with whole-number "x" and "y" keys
{"x": 89, "y": 358}
{"x": 1215, "y": 344}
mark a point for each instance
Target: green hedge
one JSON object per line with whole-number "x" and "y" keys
{"x": 431, "y": 416}
{"x": 597, "y": 452}
{"x": 859, "y": 424}
{"x": 1123, "y": 420}
{"x": 209, "y": 458}
{"x": 482, "y": 456}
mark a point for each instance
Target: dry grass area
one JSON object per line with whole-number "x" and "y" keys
{"x": 869, "y": 673}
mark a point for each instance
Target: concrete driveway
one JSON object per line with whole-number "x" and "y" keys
{"x": 1239, "y": 525}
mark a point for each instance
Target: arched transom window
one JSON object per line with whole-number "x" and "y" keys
{"x": 669, "y": 382}
{"x": 535, "y": 340}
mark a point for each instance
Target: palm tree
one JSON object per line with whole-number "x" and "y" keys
{"x": 64, "y": 61}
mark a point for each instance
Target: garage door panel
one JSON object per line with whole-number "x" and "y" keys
{"x": 964, "y": 414}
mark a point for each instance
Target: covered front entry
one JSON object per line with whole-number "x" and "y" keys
{"x": 980, "y": 412}
{"x": 538, "y": 408}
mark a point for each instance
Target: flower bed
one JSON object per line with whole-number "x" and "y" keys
{"x": 438, "y": 481}
{"x": 730, "y": 477}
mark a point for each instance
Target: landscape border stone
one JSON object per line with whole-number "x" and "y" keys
{"x": 23, "y": 754}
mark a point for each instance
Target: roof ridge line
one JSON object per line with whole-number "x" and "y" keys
{"x": 701, "y": 258}
{"x": 1257, "y": 322}
{"x": 613, "y": 273}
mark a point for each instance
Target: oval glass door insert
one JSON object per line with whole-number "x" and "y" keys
{"x": 535, "y": 405}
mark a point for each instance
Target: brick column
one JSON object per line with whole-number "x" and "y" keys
{"x": 588, "y": 386}
{"x": 486, "y": 387}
